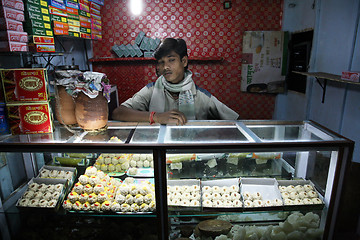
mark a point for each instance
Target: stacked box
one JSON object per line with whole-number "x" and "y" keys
{"x": 143, "y": 46}
{"x": 96, "y": 23}
{"x": 27, "y": 100}
{"x": 84, "y": 5}
{"x": 59, "y": 19}
{"x": 12, "y": 35}
{"x": 38, "y": 26}
{"x": 73, "y": 21}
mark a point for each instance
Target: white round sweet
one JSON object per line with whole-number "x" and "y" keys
{"x": 299, "y": 188}
{"x": 133, "y": 171}
{"x": 125, "y": 165}
{"x": 125, "y": 207}
{"x": 115, "y": 207}
{"x": 277, "y": 202}
{"x": 303, "y": 195}
{"x": 307, "y": 201}
{"x": 282, "y": 189}
{"x": 258, "y": 203}
{"x": 194, "y": 203}
{"x": 256, "y": 196}
{"x": 308, "y": 187}
{"x": 84, "y": 179}
{"x": 294, "y": 195}
{"x": 234, "y": 188}
{"x": 226, "y": 197}
{"x": 207, "y": 203}
{"x": 297, "y": 202}
{"x": 247, "y": 196}
{"x": 316, "y": 201}
{"x": 120, "y": 198}
{"x": 90, "y": 171}
{"x": 24, "y": 202}
{"x": 235, "y": 196}
{"x": 146, "y": 164}
{"x": 118, "y": 168}
{"x": 216, "y": 196}
{"x": 44, "y": 173}
{"x": 285, "y": 195}
{"x": 312, "y": 194}
{"x": 288, "y": 201}
{"x": 206, "y": 189}
{"x": 248, "y": 203}
{"x": 144, "y": 207}
{"x": 139, "y": 164}
{"x": 237, "y": 203}
{"x": 290, "y": 188}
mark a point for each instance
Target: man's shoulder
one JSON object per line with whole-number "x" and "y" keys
{"x": 150, "y": 85}
{"x": 204, "y": 91}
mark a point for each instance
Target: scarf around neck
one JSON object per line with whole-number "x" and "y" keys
{"x": 186, "y": 98}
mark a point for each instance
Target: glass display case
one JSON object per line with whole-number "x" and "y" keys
{"x": 203, "y": 180}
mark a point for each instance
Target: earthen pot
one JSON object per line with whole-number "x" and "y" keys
{"x": 91, "y": 113}
{"x": 65, "y": 107}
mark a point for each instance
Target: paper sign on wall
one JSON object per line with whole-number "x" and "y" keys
{"x": 263, "y": 61}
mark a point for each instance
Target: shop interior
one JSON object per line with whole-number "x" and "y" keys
{"x": 325, "y": 33}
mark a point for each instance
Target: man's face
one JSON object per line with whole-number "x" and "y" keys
{"x": 172, "y": 67}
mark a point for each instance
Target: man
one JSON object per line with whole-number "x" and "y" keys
{"x": 174, "y": 97}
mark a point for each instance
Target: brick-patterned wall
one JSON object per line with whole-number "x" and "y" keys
{"x": 209, "y": 30}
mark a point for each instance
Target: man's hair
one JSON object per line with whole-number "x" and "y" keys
{"x": 169, "y": 45}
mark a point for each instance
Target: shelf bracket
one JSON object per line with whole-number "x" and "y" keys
{"x": 323, "y": 86}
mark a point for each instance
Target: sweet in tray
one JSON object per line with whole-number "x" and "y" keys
{"x": 43, "y": 193}
{"x": 97, "y": 191}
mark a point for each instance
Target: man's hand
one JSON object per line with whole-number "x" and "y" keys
{"x": 173, "y": 117}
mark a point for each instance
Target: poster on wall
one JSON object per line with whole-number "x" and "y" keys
{"x": 264, "y": 61}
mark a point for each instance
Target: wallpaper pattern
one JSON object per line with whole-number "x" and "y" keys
{"x": 210, "y": 32}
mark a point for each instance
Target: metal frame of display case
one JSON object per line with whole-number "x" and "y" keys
{"x": 339, "y": 163}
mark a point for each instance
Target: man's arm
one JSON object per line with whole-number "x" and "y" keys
{"x": 126, "y": 114}
{"x": 123, "y": 113}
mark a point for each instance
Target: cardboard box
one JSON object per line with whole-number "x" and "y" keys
{"x": 25, "y": 84}
{"x": 85, "y": 35}
{"x": 42, "y": 40}
{"x": 71, "y": 4}
{"x": 58, "y": 31}
{"x": 100, "y": 2}
{"x": 57, "y": 11}
{"x": 57, "y": 18}
{"x": 34, "y": 23}
{"x": 11, "y": 13}
{"x": 74, "y": 34}
{"x": 9, "y": 24}
{"x": 353, "y": 76}
{"x": 40, "y": 31}
{"x": 95, "y": 16}
{"x": 13, "y": 36}
{"x": 16, "y": 4}
{"x": 57, "y": 3}
{"x": 85, "y": 30}
{"x": 42, "y": 47}
{"x": 10, "y": 46}
{"x": 96, "y": 36}
{"x": 84, "y": 13}
{"x": 29, "y": 118}
{"x": 263, "y": 67}
{"x": 60, "y": 25}
{"x": 84, "y": 7}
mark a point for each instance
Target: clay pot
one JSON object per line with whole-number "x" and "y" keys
{"x": 65, "y": 107}
{"x": 91, "y": 113}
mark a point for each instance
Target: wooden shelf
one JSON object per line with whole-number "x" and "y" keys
{"x": 325, "y": 77}
{"x": 142, "y": 59}
{"x": 328, "y": 76}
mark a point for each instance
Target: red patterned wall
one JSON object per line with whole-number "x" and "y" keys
{"x": 209, "y": 30}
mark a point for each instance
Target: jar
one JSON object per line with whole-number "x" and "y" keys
{"x": 91, "y": 113}
{"x": 64, "y": 107}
